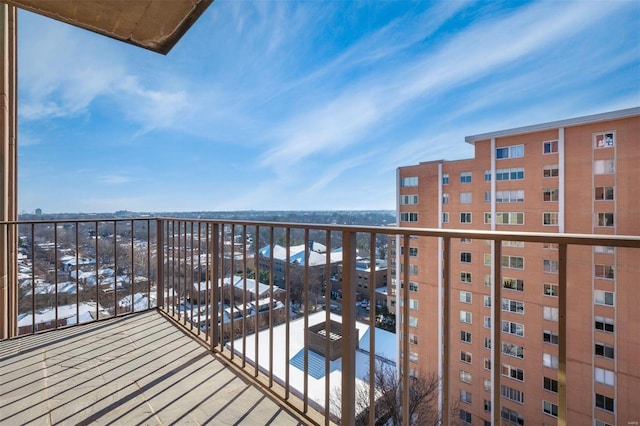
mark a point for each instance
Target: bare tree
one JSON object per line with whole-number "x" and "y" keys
{"x": 423, "y": 399}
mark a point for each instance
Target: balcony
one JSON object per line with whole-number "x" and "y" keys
{"x": 160, "y": 320}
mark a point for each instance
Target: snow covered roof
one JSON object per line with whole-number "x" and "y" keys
{"x": 385, "y": 341}
{"x": 85, "y": 312}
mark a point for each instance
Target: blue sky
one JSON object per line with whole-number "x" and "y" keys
{"x": 286, "y": 105}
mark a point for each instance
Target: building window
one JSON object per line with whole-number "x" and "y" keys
{"x": 604, "y": 249}
{"x": 465, "y": 357}
{"x": 487, "y": 342}
{"x": 511, "y": 416}
{"x": 413, "y": 339}
{"x": 408, "y": 217}
{"x": 550, "y": 147}
{"x": 487, "y": 175}
{"x": 506, "y": 218}
{"x": 606, "y": 377}
{"x": 413, "y": 321}
{"x": 550, "y": 246}
{"x": 513, "y": 262}
{"x": 513, "y": 372}
{"x": 603, "y": 140}
{"x": 516, "y": 244}
{"x": 413, "y": 269}
{"x": 550, "y": 219}
{"x": 445, "y": 198}
{"x": 605, "y": 403}
{"x": 550, "y": 290}
{"x": 513, "y": 350}
{"x": 465, "y": 217}
{"x": 600, "y": 423}
{"x": 606, "y": 272}
{"x": 413, "y": 304}
{"x": 487, "y": 196}
{"x": 466, "y": 197}
{"x": 487, "y": 259}
{"x": 549, "y": 337}
{"x": 465, "y": 336}
{"x": 604, "y": 167}
{"x": 445, "y": 217}
{"x": 487, "y": 385}
{"x": 406, "y": 200}
{"x": 604, "y": 350}
{"x": 513, "y": 196}
{"x": 487, "y": 280}
{"x": 465, "y": 417}
{"x": 465, "y": 240}
{"x": 513, "y": 284}
{"x": 550, "y": 408}
{"x": 549, "y": 360}
{"x": 487, "y": 301}
{"x": 604, "y": 193}
{"x": 445, "y": 179}
{"x": 408, "y": 182}
{"x": 465, "y": 257}
{"x": 514, "y": 306}
{"x": 550, "y": 384}
{"x": 413, "y": 286}
{"x": 550, "y": 266}
{"x": 465, "y": 317}
{"x": 465, "y": 376}
{"x": 604, "y": 219}
{"x": 465, "y": 296}
{"x": 514, "y": 173}
{"x": 465, "y": 277}
{"x": 514, "y": 328}
{"x": 465, "y": 177}
{"x": 549, "y": 313}
{"x": 487, "y": 363}
{"x": 512, "y": 394}
{"x": 550, "y": 171}
{"x": 487, "y": 322}
{"x": 550, "y": 194}
{"x": 601, "y": 297}
{"x": 515, "y": 151}
{"x": 604, "y": 324}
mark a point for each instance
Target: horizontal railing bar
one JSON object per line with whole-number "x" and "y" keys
{"x": 628, "y": 241}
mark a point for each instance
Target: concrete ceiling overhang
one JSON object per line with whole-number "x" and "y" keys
{"x": 156, "y": 25}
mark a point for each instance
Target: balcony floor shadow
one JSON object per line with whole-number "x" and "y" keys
{"x": 139, "y": 369}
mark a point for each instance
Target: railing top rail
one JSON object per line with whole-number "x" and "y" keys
{"x": 632, "y": 241}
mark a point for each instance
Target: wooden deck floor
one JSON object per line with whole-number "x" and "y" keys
{"x": 135, "y": 370}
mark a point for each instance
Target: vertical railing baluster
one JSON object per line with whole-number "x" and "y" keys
{"x": 133, "y": 262}
{"x": 55, "y": 269}
{"x": 255, "y": 304}
{"x": 33, "y": 278}
{"x": 372, "y": 329}
{"x": 271, "y": 307}
{"x": 191, "y": 281}
{"x": 404, "y": 365}
{"x": 562, "y": 335}
{"x": 305, "y": 301}
{"x": 215, "y": 291}
{"x": 496, "y": 328}
{"x": 97, "y": 271}
{"x": 77, "y": 276}
{"x": 208, "y": 314}
{"x": 327, "y": 325}
{"x": 287, "y": 289}
{"x": 115, "y": 268}
{"x": 160, "y": 254}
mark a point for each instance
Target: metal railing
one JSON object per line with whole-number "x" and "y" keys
{"x": 245, "y": 287}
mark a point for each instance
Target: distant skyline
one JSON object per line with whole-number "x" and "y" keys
{"x": 286, "y": 105}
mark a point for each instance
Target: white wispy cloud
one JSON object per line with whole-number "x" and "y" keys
{"x": 113, "y": 179}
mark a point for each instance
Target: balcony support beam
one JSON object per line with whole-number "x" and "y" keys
{"x": 348, "y": 395}
{"x": 9, "y": 173}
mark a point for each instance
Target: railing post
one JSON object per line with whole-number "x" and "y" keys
{"x": 562, "y": 335}
{"x": 160, "y": 263}
{"x": 348, "y": 328}
{"x": 214, "y": 296}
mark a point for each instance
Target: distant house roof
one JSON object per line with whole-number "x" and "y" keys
{"x": 85, "y": 312}
{"x": 317, "y": 254}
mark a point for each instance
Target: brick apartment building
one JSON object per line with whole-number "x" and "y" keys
{"x": 579, "y": 175}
